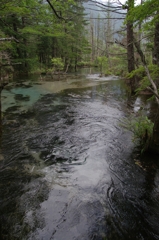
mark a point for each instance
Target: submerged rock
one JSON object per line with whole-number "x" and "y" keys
{"x": 21, "y": 97}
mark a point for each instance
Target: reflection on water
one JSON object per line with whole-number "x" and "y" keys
{"x": 68, "y": 169}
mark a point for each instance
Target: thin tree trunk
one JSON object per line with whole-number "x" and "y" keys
{"x": 15, "y": 33}
{"x": 130, "y": 47}
{"x": 25, "y": 51}
{"x": 67, "y": 68}
{"x": 140, "y": 25}
{"x": 0, "y": 119}
{"x": 108, "y": 35}
{"x": 156, "y": 44}
{"x": 92, "y": 39}
{"x": 92, "y": 43}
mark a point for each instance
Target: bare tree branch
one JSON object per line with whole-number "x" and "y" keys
{"x": 106, "y": 18}
{"x": 154, "y": 87}
{"x": 120, "y": 43}
{"x": 104, "y": 5}
{"x": 107, "y": 10}
{"x": 10, "y": 64}
{"x": 55, "y": 12}
{"x": 9, "y": 39}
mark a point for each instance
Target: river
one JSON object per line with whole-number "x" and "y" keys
{"x": 68, "y": 170}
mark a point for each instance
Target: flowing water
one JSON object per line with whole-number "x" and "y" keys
{"x": 68, "y": 170}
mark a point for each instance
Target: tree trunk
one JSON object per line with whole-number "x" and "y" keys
{"x": 130, "y": 47}
{"x": 108, "y": 35}
{"x": 25, "y": 49}
{"x": 140, "y": 27}
{"x": 92, "y": 38}
{"x": 14, "y": 23}
{"x": 156, "y": 44}
{"x": 0, "y": 119}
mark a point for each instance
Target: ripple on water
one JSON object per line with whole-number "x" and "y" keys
{"x": 68, "y": 171}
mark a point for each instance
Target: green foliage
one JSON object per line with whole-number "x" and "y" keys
{"x": 146, "y": 17}
{"x": 86, "y": 63}
{"x": 32, "y": 63}
{"x": 141, "y": 74}
{"x": 117, "y": 60}
{"x": 142, "y": 129}
{"x": 102, "y": 63}
{"x": 145, "y": 10}
{"x": 58, "y": 64}
{"x": 115, "y": 64}
{"x": 108, "y": 73}
{"x": 41, "y": 35}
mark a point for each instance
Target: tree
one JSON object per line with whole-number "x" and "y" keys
{"x": 138, "y": 15}
{"x": 44, "y": 31}
{"x": 148, "y": 14}
{"x": 156, "y": 40}
{"x": 130, "y": 45}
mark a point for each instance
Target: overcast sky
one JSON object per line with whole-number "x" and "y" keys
{"x": 122, "y": 1}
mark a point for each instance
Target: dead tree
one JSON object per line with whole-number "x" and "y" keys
{"x": 153, "y": 87}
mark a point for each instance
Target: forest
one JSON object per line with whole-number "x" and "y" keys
{"x": 78, "y": 32}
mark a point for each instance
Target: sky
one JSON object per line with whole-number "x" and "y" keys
{"x": 122, "y": 1}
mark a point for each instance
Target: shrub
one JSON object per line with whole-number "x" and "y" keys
{"x": 144, "y": 81}
{"x": 142, "y": 129}
{"x": 58, "y": 64}
{"x": 102, "y": 63}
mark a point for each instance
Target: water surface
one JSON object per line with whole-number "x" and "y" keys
{"x": 68, "y": 170}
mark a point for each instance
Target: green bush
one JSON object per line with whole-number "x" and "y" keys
{"x": 102, "y": 63}
{"x": 141, "y": 74}
{"x": 142, "y": 129}
{"x": 114, "y": 62}
{"x": 58, "y": 64}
